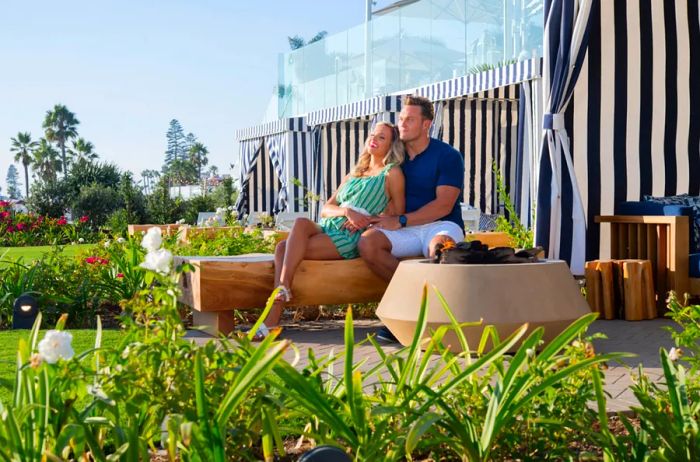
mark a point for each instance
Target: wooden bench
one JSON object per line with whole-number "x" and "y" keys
{"x": 219, "y": 285}
{"x": 165, "y": 229}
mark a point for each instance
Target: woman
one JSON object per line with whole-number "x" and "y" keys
{"x": 375, "y": 185}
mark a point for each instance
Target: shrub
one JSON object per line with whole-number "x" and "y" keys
{"x": 98, "y": 201}
{"x": 49, "y": 198}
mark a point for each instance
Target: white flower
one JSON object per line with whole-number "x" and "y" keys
{"x": 106, "y": 244}
{"x": 158, "y": 260}
{"x": 675, "y": 354}
{"x": 530, "y": 352}
{"x": 56, "y": 345}
{"x": 231, "y": 208}
{"x": 121, "y": 240}
{"x": 181, "y": 221}
{"x": 152, "y": 240}
{"x": 81, "y": 240}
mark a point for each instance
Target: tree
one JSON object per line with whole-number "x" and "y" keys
{"x": 298, "y": 41}
{"x": 182, "y": 172}
{"x": 60, "y": 125}
{"x": 198, "y": 156}
{"x": 190, "y": 140}
{"x": 213, "y": 170}
{"x": 13, "y": 184}
{"x": 46, "y": 161}
{"x": 23, "y": 147}
{"x": 176, "y": 144}
{"x": 83, "y": 150}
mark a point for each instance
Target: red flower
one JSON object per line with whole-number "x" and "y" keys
{"x": 84, "y": 219}
{"x": 10, "y": 229}
{"x": 21, "y": 226}
{"x": 91, "y": 260}
{"x": 4, "y": 214}
{"x": 62, "y": 221}
{"x": 120, "y": 275}
{"x": 4, "y": 204}
{"x": 103, "y": 261}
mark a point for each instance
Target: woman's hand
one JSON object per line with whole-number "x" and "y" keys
{"x": 356, "y": 219}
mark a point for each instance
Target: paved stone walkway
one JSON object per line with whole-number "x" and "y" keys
{"x": 643, "y": 338}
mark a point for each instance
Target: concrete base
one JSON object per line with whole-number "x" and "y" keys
{"x": 505, "y": 296}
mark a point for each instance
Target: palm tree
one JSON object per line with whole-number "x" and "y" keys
{"x": 198, "y": 156}
{"x": 24, "y": 147}
{"x": 46, "y": 161}
{"x": 83, "y": 150}
{"x": 60, "y": 126}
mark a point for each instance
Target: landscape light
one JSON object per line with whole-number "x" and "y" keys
{"x": 26, "y": 309}
{"x": 325, "y": 454}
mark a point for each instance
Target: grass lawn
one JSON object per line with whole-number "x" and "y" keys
{"x": 31, "y": 253}
{"x": 83, "y": 340}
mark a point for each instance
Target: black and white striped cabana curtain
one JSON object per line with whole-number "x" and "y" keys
{"x": 484, "y": 129}
{"x": 338, "y": 146}
{"x": 250, "y": 150}
{"x": 565, "y": 43}
{"x": 263, "y": 184}
{"x": 634, "y": 119}
{"x": 277, "y": 149}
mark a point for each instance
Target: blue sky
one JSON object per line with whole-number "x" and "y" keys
{"x": 126, "y": 68}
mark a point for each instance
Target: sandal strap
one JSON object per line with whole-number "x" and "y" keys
{"x": 284, "y": 293}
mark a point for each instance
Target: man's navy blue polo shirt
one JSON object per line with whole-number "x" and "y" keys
{"x": 439, "y": 165}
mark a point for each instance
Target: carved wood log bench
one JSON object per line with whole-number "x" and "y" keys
{"x": 219, "y": 285}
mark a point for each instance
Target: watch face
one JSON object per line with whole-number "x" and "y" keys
{"x": 403, "y": 220}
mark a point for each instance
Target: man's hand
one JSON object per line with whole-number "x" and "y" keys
{"x": 390, "y": 223}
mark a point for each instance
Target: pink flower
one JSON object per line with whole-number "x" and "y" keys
{"x": 4, "y": 204}
{"x": 4, "y": 215}
{"x": 10, "y": 229}
{"x": 84, "y": 219}
{"x": 102, "y": 261}
{"x": 91, "y": 260}
{"x": 21, "y": 226}
{"x": 62, "y": 221}
{"x": 120, "y": 275}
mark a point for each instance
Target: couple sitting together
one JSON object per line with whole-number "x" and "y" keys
{"x": 400, "y": 200}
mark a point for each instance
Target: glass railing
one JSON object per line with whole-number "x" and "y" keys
{"x": 417, "y": 44}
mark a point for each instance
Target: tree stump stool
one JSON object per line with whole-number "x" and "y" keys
{"x": 622, "y": 289}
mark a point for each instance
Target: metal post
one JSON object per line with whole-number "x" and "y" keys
{"x": 368, "y": 48}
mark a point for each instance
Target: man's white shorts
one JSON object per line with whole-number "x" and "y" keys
{"x": 413, "y": 241}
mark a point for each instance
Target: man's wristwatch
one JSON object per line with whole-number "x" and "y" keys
{"x": 403, "y": 220}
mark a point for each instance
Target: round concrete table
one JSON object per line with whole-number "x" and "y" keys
{"x": 503, "y": 295}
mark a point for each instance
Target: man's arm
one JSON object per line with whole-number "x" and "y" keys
{"x": 442, "y": 205}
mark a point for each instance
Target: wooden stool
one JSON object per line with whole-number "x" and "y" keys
{"x": 621, "y": 289}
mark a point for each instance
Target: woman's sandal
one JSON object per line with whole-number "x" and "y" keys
{"x": 284, "y": 294}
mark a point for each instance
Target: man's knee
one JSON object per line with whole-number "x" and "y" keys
{"x": 439, "y": 239}
{"x": 371, "y": 243}
{"x": 303, "y": 225}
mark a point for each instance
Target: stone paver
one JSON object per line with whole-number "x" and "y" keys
{"x": 643, "y": 338}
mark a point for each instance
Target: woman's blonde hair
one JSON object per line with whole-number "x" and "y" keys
{"x": 395, "y": 155}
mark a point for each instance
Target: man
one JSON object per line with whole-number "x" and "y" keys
{"x": 434, "y": 174}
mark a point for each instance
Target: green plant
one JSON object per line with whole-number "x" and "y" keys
{"x": 511, "y": 224}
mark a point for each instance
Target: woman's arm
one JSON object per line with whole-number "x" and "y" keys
{"x": 332, "y": 209}
{"x": 396, "y": 189}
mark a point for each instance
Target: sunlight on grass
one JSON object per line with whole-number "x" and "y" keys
{"x": 35, "y": 252}
{"x": 83, "y": 339}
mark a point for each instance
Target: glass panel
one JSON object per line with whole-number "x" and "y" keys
{"x": 417, "y": 44}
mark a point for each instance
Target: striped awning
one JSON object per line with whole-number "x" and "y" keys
{"x": 356, "y": 110}
{"x": 483, "y": 81}
{"x": 291, "y": 124}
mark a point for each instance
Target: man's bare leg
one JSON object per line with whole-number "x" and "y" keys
{"x": 375, "y": 250}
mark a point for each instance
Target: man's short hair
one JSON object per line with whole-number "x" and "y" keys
{"x": 426, "y": 106}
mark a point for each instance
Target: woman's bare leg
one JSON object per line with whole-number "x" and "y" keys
{"x": 306, "y": 240}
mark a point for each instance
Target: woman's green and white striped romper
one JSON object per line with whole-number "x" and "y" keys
{"x": 363, "y": 192}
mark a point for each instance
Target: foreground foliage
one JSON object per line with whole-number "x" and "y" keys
{"x": 231, "y": 399}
